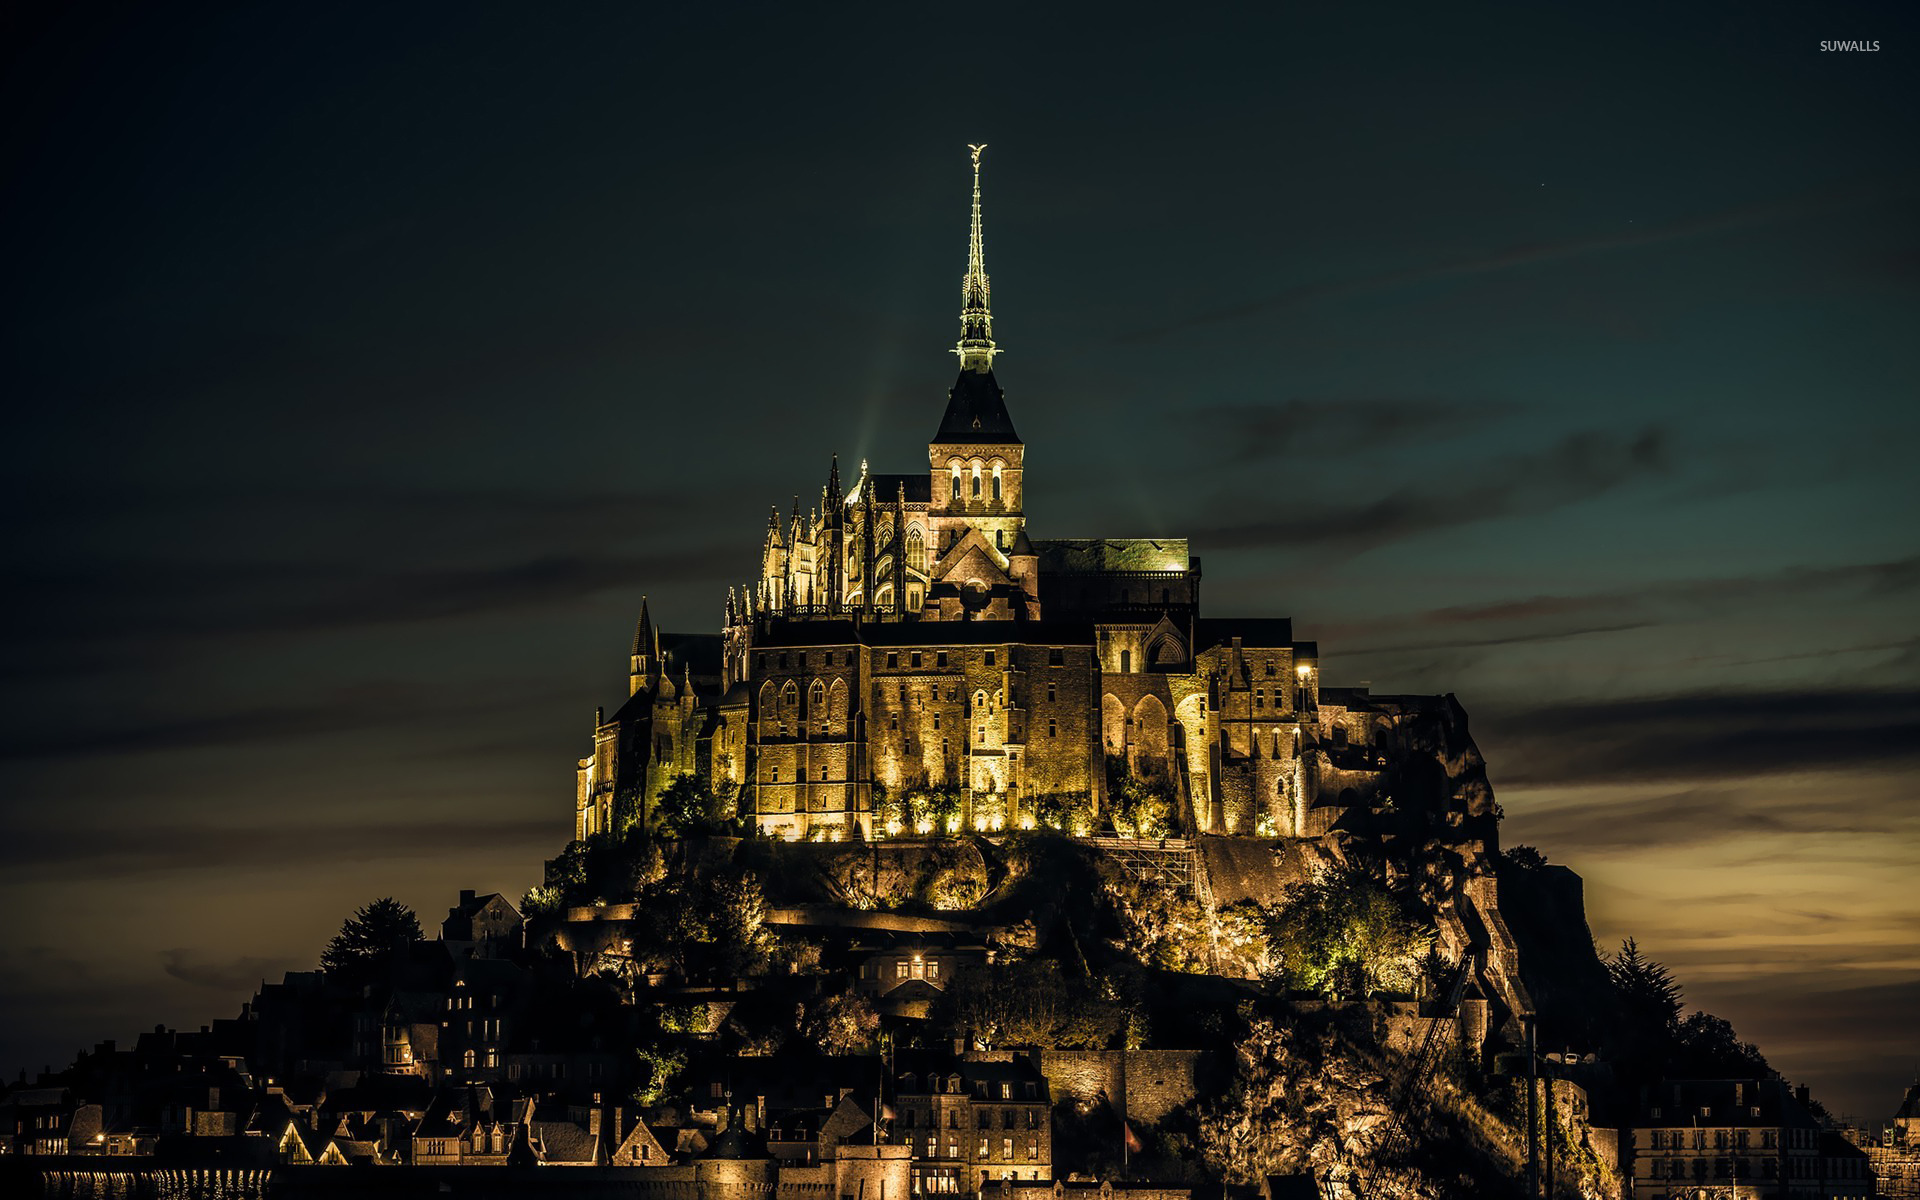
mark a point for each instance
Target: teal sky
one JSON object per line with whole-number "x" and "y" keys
{"x": 367, "y": 367}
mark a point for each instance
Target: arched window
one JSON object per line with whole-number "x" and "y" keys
{"x": 789, "y": 699}
{"x": 916, "y": 550}
{"x": 817, "y": 701}
{"x": 1126, "y": 661}
{"x": 956, "y": 481}
{"x": 466, "y": 1060}
{"x": 976, "y": 481}
{"x": 996, "y": 481}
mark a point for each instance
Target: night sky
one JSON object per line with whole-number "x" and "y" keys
{"x": 365, "y": 365}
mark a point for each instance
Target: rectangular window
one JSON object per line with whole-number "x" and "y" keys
{"x": 1053, "y": 727}
{"x": 915, "y": 658}
{"x": 990, "y": 658}
{"x": 1006, "y": 1149}
{"x": 940, "y": 659}
{"x": 936, "y": 720}
{"x": 1056, "y": 657}
{"x": 1050, "y": 693}
{"x": 983, "y": 1149}
{"x": 1033, "y": 1149}
{"x": 900, "y": 969}
{"x": 1259, "y": 697}
{"x": 893, "y": 658}
{"x": 933, "y": 968}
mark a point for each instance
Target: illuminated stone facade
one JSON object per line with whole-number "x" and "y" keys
{"x": 906, "y": 634}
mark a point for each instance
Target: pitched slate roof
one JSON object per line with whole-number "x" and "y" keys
{"x": 976, "y": 411}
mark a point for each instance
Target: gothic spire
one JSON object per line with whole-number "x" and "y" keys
{"x": 645, "y": 641}
{"x": 976, "y": 348}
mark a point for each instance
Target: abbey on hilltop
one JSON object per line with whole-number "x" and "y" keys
{"x": 907, "y": 636}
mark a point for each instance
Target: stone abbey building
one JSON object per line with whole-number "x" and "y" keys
{"x": 909, "y": 632}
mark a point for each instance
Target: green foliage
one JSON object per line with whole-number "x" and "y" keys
{"x": 691, "y": 806}
{"x": 660, "y": 1072}
{"x": 1706, "y": 1047}
{"x": 1029, "y": 1004}
{"x": 1160, "y": 926}
{"x": 1345, "y": 936}
{"x": 540, "y": 901}
{"x": 1140, "y": 807}
{"x": 1068, "y": 812}
{"x": 1647, "y": 997}
{"x": 686, "y": 1018}
{"x": 943, "y": 808}
{"x": 1526, "y": 858}
{"x": 1651, "y": 1040}
{"x": 368, "y": 941}
{"x": 845, "y": 1023}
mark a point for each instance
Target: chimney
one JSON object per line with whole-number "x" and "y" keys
{"x": 1804, "y": 1095}
{"x": 466, "y": 897}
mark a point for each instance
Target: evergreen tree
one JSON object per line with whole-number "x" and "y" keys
{"x": 368, "y": 940}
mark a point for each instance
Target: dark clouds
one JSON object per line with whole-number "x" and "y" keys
{"x": 1578, "y": 467}
{"x": 1328, "y": 427}
{"x": 225, "y": 975}
{"x": 133, "y": 850}
{"x": 1707, "y": 735}
{"x": 1702, "y": 816}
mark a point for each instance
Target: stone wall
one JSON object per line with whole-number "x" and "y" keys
{"x": 1145, "y": 1084}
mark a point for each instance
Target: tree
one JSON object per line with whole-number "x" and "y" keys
{"x": 368, "y": 940}
{"x": 1141, "y": 808}
{"x": 1646, "y": 990}
{"x": 845, "y": 1023}
{"x": 691, "y": 805}
{"x": 1647, "y": 1005}
{"x": 1345, "y": 935}
{"x": 1525, "y": 857}
{"x": 1029, "y": 1004}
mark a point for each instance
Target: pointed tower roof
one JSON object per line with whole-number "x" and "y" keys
{"x": 976, "y": 407}
{"x": 646, "y": 639}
